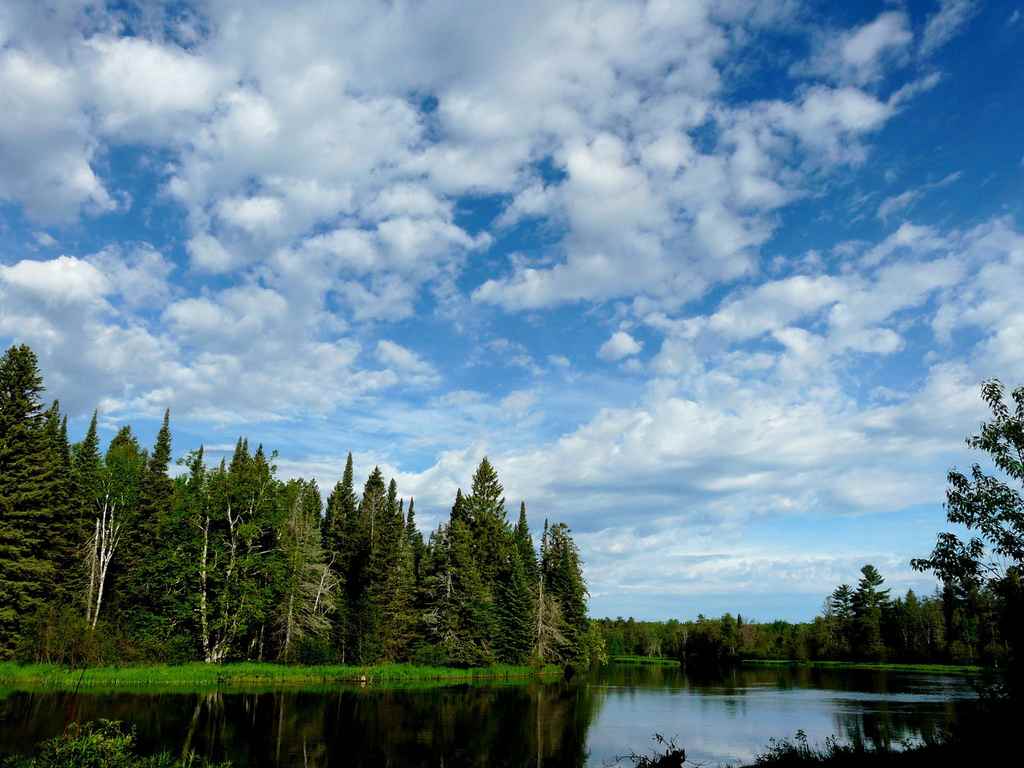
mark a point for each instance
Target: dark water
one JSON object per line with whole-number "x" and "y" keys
{"x": 719, "y": 717}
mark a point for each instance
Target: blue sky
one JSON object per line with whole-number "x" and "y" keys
{"x": 714, "y": 282}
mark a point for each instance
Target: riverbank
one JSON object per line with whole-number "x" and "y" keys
{"x": 653, "y": 661}
{"x": 251, "y": 674}
{"x": 941, "y": 669}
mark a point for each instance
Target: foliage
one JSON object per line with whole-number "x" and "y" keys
{"x": 100, "y": 744}
{"x": 984, "y": 574}
{"x": 105, "y": 558}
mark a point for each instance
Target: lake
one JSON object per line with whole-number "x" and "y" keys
{"x": 725, "y": 716}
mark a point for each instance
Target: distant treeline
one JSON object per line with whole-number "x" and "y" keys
{"x": 106, "y": 558}
{"x": 862, "y": 623}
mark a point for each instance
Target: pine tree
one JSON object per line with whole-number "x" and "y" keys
{"x": 64, "y": 541}
{"x": 868, "y": 603}
{"x": 515, "y": 609}
{"x": 563, "y": 579}
{"x": 339, "y": 547}
{"x": 144, "y": 562}
{"x": 399, "y": 623}
{"x": 839, "y": 609}
{"x": 28, "y": 479}
{"x": 87, "y": 479}
{"x": 367, "y": 571}
{"x": 469, "y": 627}
{"x": 524, "y": 546}
{"x": 486, "y": 511}
{"x": 415, "y": 542}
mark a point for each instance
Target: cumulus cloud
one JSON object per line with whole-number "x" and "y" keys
{"x": 620, "y": 345}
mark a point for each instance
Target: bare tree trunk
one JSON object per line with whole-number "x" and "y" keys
{"x": 92, "y": 573}
{"x": 106, "y": 544}
{"x": 203, "y": 620}
{"x": 288, "y": 626}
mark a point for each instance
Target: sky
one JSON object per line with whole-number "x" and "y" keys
{"x": 713, "y": 281}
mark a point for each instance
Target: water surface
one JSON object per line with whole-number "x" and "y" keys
{"x": 724, "y": 716}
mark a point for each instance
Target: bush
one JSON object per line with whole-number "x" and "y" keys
{"x": 100, "y": 744}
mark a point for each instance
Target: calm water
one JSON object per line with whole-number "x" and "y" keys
{"x": 722, "y": 717}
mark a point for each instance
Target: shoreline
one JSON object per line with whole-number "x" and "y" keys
{"x": 248, "y": 674}
{"x": 880, "y": 666}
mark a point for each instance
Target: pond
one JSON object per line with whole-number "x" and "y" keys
{"x": 725, "y": 716}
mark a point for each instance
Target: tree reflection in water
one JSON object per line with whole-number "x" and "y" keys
{"x": 510, "y": 725}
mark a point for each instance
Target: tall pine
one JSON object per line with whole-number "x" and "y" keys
{"x": 29, "y": 481}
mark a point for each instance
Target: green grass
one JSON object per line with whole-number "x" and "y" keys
{"x": 955, "y": 669}
{"x": 656, "y": 661}
{"x": 248, "y": 674}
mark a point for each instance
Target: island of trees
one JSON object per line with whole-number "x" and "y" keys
{"x": 105, "y": 557}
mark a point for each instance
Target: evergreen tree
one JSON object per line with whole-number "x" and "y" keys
{"x": 368, "y": 570}
{"x": 64, "y": 541}
{"x": 839, "y": 609}
{"x": 524, "y": 546}
{"x": 563, "y": 579}
{"x": 415, "y": 542}
{"x": 868, "y": 603}
{"x": 29, "y": 479}
{"x": 339, "y": 547}
{"x": 144, "y": 563}
{"x": 87, "y": 471}
{"x": 485, "y": 507}
{"x": 469, "y": 624}
{"x": 514, "y": 601}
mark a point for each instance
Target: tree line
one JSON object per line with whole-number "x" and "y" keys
{"x": 107, "y": 557}
{"x": 862, "y": 623}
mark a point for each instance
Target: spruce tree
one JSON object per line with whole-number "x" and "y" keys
{"x": 869, "y": 601}
{"x": 415, "y": 542}
{"x": 524, "y": 546}
{"x": 486, "y": 510}
{"x": 87, "y": 479}
{"x": 64, "y": 541}
{"x": 367, "y": 571}
{"x": 340, "y": 552}
{"x": 515, "y": 609}
{"x": 29, "y": 479}
{"x": 563, "y": 580}
{"x": 143, "y": 557}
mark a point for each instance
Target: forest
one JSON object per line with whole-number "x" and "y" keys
{"x": 107, "y": 556}
{"x": 861, "y": 623}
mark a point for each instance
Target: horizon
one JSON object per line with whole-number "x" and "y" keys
{"x": 715, "y": 284}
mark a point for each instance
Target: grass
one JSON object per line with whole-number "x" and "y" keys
{"x": 250, "y": 674}
{"x": 954, "y": 669}
{"x": 656, "y": 661}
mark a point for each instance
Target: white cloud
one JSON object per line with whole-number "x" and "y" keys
{"x": 858, "y": 56}
{"x": 411, "y": 367}
{"x": 57, "y": 281}
{"x": 619, "y": 346}
{"x": 896, "y": 203}
{"x": 946, "y": 23}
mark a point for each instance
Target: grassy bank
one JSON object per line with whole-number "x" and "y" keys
{"x": 648, "y": 660}
{"x": 250, "y": 674}
{"x": 948, "y": 669}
